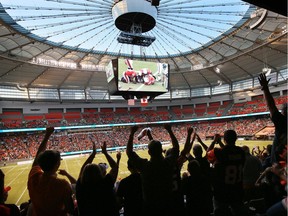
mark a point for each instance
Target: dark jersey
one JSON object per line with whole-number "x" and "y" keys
{"x": 157, "y": 180}
{"x": 97, "y": 199}
{"x": 198, "y": 195}
{"x": 130, "y": 188}
{"x": 228, "y": 173}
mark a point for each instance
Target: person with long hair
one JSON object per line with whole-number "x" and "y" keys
{"x": 94, "y": 189}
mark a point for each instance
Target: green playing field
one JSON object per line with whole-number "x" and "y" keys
{"x": 16, "y": 175}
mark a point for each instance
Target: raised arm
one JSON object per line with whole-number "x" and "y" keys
{"x": 113, "y": 164}
{"x": 149, "y": 134}
{"x": 129, "y": 147}
{"x": 188, "y": 144}
{"x": 118, "y": 156}
{"x": 202, "y": 143}
{"x": 174, "y": 140}
{"x": 217, "y": 139}
{"x": 89, "y": 159}
{"x": 268, "y": 97}
{"x": 65, "y": 173}
{"x": 43, "y": 144}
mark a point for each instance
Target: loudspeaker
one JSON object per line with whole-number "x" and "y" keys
{"x": 155, "y": 2}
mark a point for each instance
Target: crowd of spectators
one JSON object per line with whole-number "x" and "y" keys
{"x": 19, "y": 120}
{"x": 227, "y": 180}
{"x": 24, "y": 145}
{"x": 156, "y": 185}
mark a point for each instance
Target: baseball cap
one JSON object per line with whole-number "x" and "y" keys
{"x": 6, "y": 189}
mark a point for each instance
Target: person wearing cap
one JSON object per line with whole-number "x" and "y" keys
{"x": 49, "y": 194}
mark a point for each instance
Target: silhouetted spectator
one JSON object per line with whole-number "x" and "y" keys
{"x": 251, "y": 172}
{"x": 279, "y": 120}
{"x": 198, "y": 156}
{"x": 177, "y": 195}
{"x": 270, "y": 185}
{"x": 6, "y": 209}
{"x": 94, "y": 190}
{"x": 49, "y": 194}
{"x": 198, "y": 191}
{"x": 279, "y": 208}
{"x": 228, "y": 177}
{"x": 129, "y": 192}
{"x": 266, "y": 162}
{"x": 156, "y": 174}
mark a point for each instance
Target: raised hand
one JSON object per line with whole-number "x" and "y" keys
{"x": 133, "y": 129}
{"x": 62, "y": 172}
{"x": 104, "y": 148}
{"x": 217, "y": 138}
{"x": 49, "y": 131}
{"x": 94, "y": 146}
{"x": 190, "y": 129}
{"x": 167, "y": 127}
{"x": 118, "y": 155}
{"x": 263, "y": 80}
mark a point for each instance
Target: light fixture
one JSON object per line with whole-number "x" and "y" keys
{"x": 219, "y": 82}
{"x": 261, "y": 13}
{"x": 20, "y": 87}
{"x": 217, "y": 70}
{"x": 267, "y": 71}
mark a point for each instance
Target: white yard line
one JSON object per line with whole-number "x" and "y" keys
{"x": 16, "y": 177}
{"x": 21, "y": 196}
{"x": 13, "y": 167}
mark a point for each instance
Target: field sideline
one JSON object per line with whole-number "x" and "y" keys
{"x": 16, "y": 175}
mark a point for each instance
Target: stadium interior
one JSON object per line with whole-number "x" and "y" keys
{"x": 53, "y": 72}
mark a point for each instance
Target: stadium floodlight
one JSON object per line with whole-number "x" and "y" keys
{"x": 262, "y": 14}
{"x": 267, "y": 71}
{"x": 217, "y": 70}
{"x": 155, "y": 2}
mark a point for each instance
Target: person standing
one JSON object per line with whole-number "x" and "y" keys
{"x": 95, "y": 189}
{"x": 156, "y": 175}
{"x": 129, "y": 192}
{"x": 227, "y": 175}
{"x": 279, "y": 120}
{"x": 49, "y": 194}
{"x": 251, "y": 172}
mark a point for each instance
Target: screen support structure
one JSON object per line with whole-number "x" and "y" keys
{"x": 135, "y": 37}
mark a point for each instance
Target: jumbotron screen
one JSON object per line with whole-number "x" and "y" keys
{"x": 137, "y": 76}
